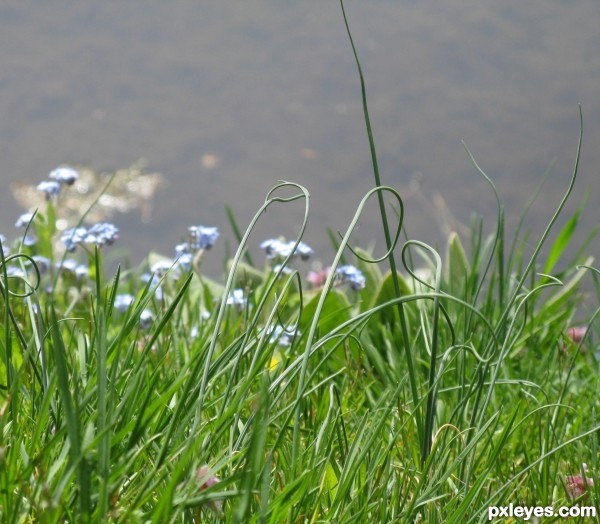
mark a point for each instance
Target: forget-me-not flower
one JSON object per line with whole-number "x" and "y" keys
{"x": 29, "y": 240}
{"x": 100, "y": 234}
{"x": 162, "y": 267}
{"x": 42, "y": 263}
{"x": 24, "y": 220}
{"x": 49, "y": 187}
{"x": 68, "y": 264}
{"x": 237, "y": 298}
{"x": 155, "y": 283}
{"x": 146, "y": 319}
{"x": 14, "y": 271}
{"x": 281, "y": 336}
{"x": 202, "y": 237}
{"x": 352, "y": 276}
{"x": 183, "y": 256}
{"x": 123, "y": 301}
{"x": 72, "y": 237}
{"x": 278, "y": 248}
{"x": 82, "y": 271}
{"x": 64, "y": 175}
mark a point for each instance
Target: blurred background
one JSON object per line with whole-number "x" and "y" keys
{"x": 226, "y": 98}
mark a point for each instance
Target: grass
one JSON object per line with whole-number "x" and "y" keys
{"x": 450, "y": 383}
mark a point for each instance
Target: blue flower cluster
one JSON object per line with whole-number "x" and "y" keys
{"x": 61, "y": 176}
{"x": 279, "y": 335}
{"x": 125, "y": 300}
{"x": 237, "y": 298}
{"x": 352, "y": 276}
{"x": 24, "y": 220}
{"x": 101, "y": 234}
{"x": 279, "y": 248}
{"x": 69, "y": 265}
{"x": 200, "y": 238}
{"x": 64, "y": 175}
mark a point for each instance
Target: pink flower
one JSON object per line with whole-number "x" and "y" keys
{"x": 203, "y": 475}
{"x": 318, "y": 278}
{"x": 576, "y": 333}
{"x": 206, "y": 480}
{"x": 577, "y": 485}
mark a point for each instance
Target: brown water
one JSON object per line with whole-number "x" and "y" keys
{"x": 225, "y": 98}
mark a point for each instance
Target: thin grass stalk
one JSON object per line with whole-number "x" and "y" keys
{"x": 499, "y": 222}
{"x": 229, "y": 284}
{"x": 493, "y": 498}
{"x": 324, "y": 292}
{"x": 7, "y": 336}
{"x": 480, "y": 403}
{"x": 69, "y": 402}
{"x": 432, "y": 387}
{"x": 593, "y": 317}
{"x": 237, "y": 233}
{"x": 295, "y": 276}
{"x": 103, "y": 426}
{"x": 388, "y": 241}
{"x": 479, "y": 414}
{"x": 525, "y": 212}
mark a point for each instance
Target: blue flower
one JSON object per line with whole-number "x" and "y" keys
{"x": 49, "y": 187}
{"x": 283, "y": 270}
{"x": 42, "y": 263}
{"x": 29, "y": 240}
{"x": 155, "y": 284}
{"x": 183, "y": 256}
{"x": 68, "y": 264}
{"x": 280, "y": 336}
{"x": 351, "y": 276}
{"x": 202, "y": 237}
{"x": 273, "y": 247}
{"x": 72, "y": 237}
{"x": 303, "y": 250}
{"x": 102, "y": 234}
{"x": 146, "y": 319}
{"x": 123, "y": 301}
{"x": 182, "y": 249}
{"x": 82, "y": 271}
{"x": 14, "y": 271}
{"x": 64, "y": 175}
{"x": 277, "y": 248}
{"x": 237, "y": 298}
{"x": 185, "y": 261}
{"x": 24, "y": 220}
{"x": 162, "y": 267}
{"x": 99, "y": 234}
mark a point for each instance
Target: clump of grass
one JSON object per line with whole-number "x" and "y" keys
{"x": 426, "y": 391}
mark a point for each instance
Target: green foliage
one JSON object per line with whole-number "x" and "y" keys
{"x": 107, "y": 419}
{"x": 435, "y": 390}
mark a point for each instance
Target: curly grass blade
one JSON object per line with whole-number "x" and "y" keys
{"x": 388, "y": 241}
